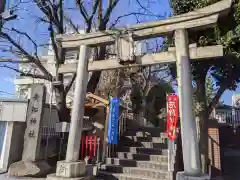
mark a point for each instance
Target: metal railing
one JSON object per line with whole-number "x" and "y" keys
{"x": 228, "y": 116}
{"x": 171, "y": 155}
{"x": 172, "y": 148}
{"x": 110, "y": 148}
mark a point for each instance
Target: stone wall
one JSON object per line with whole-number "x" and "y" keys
{"x": 13, "y": 144}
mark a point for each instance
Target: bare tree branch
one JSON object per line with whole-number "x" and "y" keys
{"x": 3, "y": 60}
{"x": 126, "y": 15}
{"x": 51, "y": 12}
{"x": 144, "y": 8}
{"x": 60, "y": 15}
{"x": 27, "y": 55}
{"x": 30, "y": 39}
{"x": 216, "y": 98}
{"x": 25, "y": 73}
{"x": 13, "y": 51}
{"x": 83, "y": 11}
{"x": 74, "y": 27}
{"x": 70, "y": 83}
{"x": 97, "y": 5}
{"x": 41, "y": 19}
{"x": 111, "y": 5}
{"x": 94, "y": 10}
{"x": 100, "y": 12}
{"x": 88, "y": 18}
{"x": 54, "y": 44}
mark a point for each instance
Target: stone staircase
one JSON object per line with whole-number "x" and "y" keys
{"x": 142, "y": 154}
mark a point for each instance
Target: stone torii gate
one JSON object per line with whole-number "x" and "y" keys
{"x": 124, "y": 39}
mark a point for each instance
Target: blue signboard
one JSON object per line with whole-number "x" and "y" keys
{"x": 113, "y": 121}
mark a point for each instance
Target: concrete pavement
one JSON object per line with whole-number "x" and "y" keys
{"x": 6, "y": 177}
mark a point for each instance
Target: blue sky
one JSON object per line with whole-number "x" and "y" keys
{"x": 27, "y": 23}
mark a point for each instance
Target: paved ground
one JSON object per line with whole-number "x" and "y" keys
{"x": 5, "y": 177}
{"x": 231, "y": 164}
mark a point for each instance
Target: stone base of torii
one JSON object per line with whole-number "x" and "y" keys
{"x": 181, "y": 25}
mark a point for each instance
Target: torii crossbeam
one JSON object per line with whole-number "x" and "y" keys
{"x": 124, "y": 39}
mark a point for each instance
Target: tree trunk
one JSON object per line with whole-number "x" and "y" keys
{"x": 96, "y": 75}
{"x": 202, "y": 123}
{"x": 63, "y": 111}
{"x": 215, "y": 100}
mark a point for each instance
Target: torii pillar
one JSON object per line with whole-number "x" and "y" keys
{"x": 190, "y": 149}
{"x": 180, "y": 25}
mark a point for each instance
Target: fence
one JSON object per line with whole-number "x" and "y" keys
{"x": 228, "y": 116}
{"x": 90, "y": 149}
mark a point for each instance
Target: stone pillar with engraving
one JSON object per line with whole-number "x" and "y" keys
{"x": 34, "y": 116}
{"x": 32, "y": 164}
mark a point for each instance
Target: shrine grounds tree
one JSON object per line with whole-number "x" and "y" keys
{"x": 52, "y": 16}
{"x": 148, "y": 94}
{"x": 224, "y": 72}
{"x": 210, "y": 89}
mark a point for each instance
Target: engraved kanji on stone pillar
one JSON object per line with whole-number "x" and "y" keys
{"x": 32, "y": 136}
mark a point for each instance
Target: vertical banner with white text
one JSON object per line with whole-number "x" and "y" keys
{"x": 172, "y": 116}
{"x": 113, "y": 121}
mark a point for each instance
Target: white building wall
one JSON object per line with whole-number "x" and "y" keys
{"x": 236, "y": 100}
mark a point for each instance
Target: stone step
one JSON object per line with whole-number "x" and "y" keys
{"x": 102, "y": 175}
{"x": 143, "y": 144}
{"x": 141, "y": 164}
{"x": 143, "y": 172}
{"x": 128, "y": 141}
{"x": 147, "y": 129}
{"x": 54, "y": 177}
{"x": 140, "y": 133}
{"x": 143, "y": 157}
{"x": 131, "y": 124}
{"x": 142, "y": 150}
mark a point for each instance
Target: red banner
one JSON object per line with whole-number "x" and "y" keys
{"x": 172, "y": 119}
